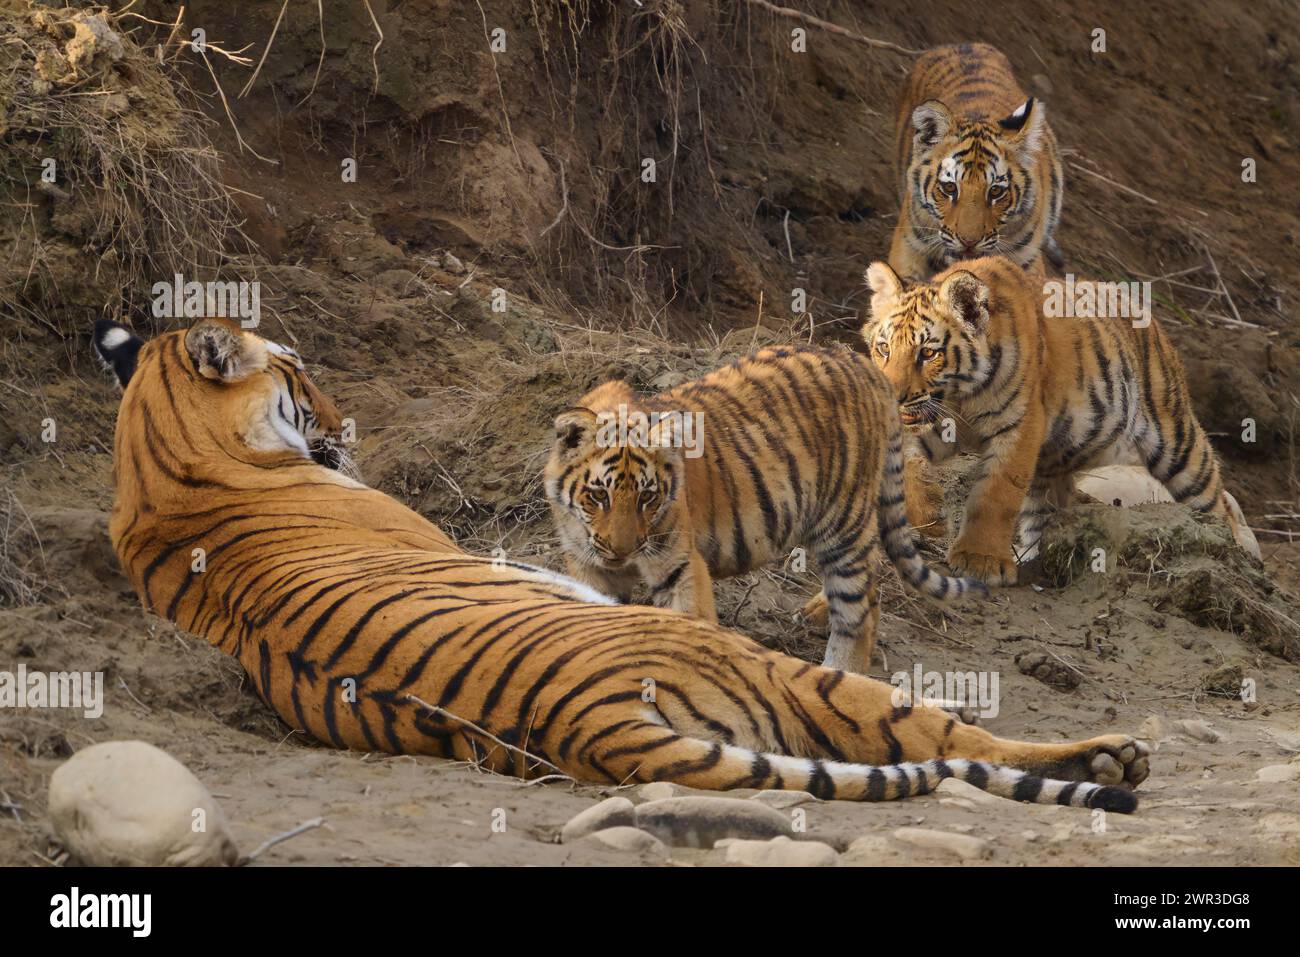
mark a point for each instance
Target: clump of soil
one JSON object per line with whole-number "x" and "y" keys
{"x": 111, "y": 180}
{"x": 1184, "y": 561}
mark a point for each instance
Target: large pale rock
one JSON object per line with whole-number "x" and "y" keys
{"x": 1279, "y": 773}
{"x": 963, "y": 845}
{"x": 702, "y": 821}
{"x": 129, "y": 804}
{"x": 779, "y": 852}
{"x": 611, "y": 812}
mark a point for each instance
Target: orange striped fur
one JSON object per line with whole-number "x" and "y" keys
{"x": 798, "y": 447}
{"x": 1039, "y": 398}
{"x": 344, "y": 606}
{"x": 978, "y": 165}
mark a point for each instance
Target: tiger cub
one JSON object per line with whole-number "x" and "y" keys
{"x": 720, "y": 476}
{"x": 979, "y": 168}
{"x": 972, "y": 354}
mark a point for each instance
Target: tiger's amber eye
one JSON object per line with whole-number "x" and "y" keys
{"x": 883, "y": 349}
{"x": 927, "y": 354}
{"x": 948, "y": 189}
{"x": 995, "y": 192}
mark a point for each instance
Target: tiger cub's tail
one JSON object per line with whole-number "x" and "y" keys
{"x": 900, "y": 544}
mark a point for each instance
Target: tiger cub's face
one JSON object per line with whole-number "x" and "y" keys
{"x": 620, "y": 494}
{"x": 969, "y": 180}
{"x": 928, "y": 339}
{"x": 255, "y": 391}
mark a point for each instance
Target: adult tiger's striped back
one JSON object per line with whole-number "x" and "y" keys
{"x": 344, "y": 607}
{"x": 979, "y": 170}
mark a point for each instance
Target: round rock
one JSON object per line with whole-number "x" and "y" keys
{"x": 780, "y": 852}
{"x": 611, "y": 812}
{"x": 963, "y": 845}
{"x": 628, "y": 839}
{"x": 782, "y": 800}
{"x": 129, "y": 804}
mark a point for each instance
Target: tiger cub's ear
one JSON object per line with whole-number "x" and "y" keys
{"x": 932, "y": 121}
{"x": 222, "y": 352}
{"x": 885, "y": 287}
{"x": 967, "y": 298}
{"x": 117, "y": 347}
{"x": 575, "y": 431}
{"x": 1025, "y": 126}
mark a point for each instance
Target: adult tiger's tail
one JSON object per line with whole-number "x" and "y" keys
{"x": 896, "y": 534}
{"x": 708, "y": 764}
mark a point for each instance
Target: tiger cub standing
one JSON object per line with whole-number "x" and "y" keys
{"x": 1039, "y": 398}
{"x": 720, "y": 476}
{"x": 979, "y": 168}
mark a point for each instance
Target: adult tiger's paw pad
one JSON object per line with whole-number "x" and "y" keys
{"x": 1120, "y": 759}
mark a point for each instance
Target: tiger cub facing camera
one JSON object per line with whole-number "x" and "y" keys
{"x": 717, "y": 477}
{"x": 973, "y": 354}
{"x": 979, "y": 168}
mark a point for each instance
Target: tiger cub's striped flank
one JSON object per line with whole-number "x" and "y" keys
{"x": 978, "y": 164}
{"x": 797, "y": 447}
{"x": 1040, "y": 399}
{"x": 344, "y": 606}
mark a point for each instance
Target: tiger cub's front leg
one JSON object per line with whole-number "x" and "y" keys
{"x": 922, "y": 492}
{"x": 680, "y": 580}
{"x": 984, "y": 547}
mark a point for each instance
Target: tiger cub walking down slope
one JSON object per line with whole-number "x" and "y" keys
{"x": 790, "y": 446}
{"x": 361, "y": 623}
{"x": 979, "y": 168}
{"x": 1039, "y": 398}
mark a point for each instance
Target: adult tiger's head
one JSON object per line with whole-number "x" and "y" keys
{"x": 929, "y": 339}
{"x": 223, "y": 391}
{"x": 618, "y": 472}
{"x": 970, "y": 182}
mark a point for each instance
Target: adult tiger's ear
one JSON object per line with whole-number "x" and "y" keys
{"x": 1026, "y": 125}
{"x": 575, "y": 430}
{"x": 222, "y": 352}
{"x": 117, "y": 347}
{"x": 885, "y": 287}
{"x": 967, "y": 298}
{"x": 931, "y": 121}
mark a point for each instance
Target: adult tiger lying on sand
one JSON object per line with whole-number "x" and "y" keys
{"x": 312, "y": 579}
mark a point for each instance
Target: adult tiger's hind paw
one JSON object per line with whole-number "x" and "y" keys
{"x": 1119, "y": 759}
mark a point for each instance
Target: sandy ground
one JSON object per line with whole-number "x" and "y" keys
{"x": 1203, "y": 803}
